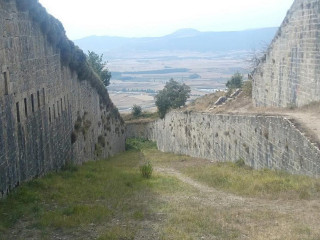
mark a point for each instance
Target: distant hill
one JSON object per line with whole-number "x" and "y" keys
{"x": 182, "y": 40}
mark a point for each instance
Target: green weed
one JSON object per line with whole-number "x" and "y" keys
{"x": 146, "y": 170}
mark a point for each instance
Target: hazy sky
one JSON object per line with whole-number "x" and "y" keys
{"x": 141, "y": 18}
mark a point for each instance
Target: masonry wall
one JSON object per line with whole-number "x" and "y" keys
{"x": 289, "y": 74}
{"x": 262, "y": 141}
{"x": 47, "y": 116}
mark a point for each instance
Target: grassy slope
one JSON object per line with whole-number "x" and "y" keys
{"x": 109, "y": 199}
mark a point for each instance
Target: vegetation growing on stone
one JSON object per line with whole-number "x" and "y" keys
{"x": 102, "y": 141}
{"x": 99, "y": 66}
{"x": 71, "y": 55}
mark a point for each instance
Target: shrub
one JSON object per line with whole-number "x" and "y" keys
{"x": 236, "y": 81}
{"x": 174, "y": 95}
{"x": 136, "y": 111}
{"x": 139, "y": 144}
{"x": 146, "y": 170}
{"x": 99, "y": 66}
{"x": 240, "y": 163}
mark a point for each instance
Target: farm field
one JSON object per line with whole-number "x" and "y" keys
{"x": 137, "y": 78}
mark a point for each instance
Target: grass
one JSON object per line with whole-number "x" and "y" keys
{"x": 205, "y": 102}
{"x": 239, "y": 179}
{"x": 146, "y": 170}
{"x": 265, "y": 183}
{"x": 140, "y": 144}
{"x": 144, "y": 116}
{"x": 92, "y": 193}
{"x": 109, "y": 199}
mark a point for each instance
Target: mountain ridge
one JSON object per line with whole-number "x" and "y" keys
{"x": 187, "y": 39}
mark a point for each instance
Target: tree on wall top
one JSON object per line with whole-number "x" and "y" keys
{"x": 99, "y": 66}
{"x": 136, "y": 110}
{"x": 174, "y": 95}
{"x": 236, "y": 81}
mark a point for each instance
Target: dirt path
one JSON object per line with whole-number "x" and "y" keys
{"x": 278, "y": 216}
{"x": 220, "y": 198}
{"x": 216, "y": 197}
{"x": 311, "y": 121}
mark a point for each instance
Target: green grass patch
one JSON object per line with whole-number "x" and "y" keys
{"x": 146, "y": 170}
{"x": 101, "y": 193}
{"x": 118, "y": 232}
{"x": 77, "y": 196}
{"x": 193, "y": 221}
{"x": 75, "y": 216}
{"x": 140, "y": 144}
{"x": 242, "y": 180}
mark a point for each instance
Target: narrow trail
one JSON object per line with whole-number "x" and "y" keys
{"x": 298, "y": 212}
{"x": 217, "y": 198}
{"x": 309, "y": 120}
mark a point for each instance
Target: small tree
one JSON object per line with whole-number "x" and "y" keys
{"x": 162, "y": 103}
{"x": 236, "y": 81}
{"x": 174, "y": 95}
{"x": 99, "y": 66}
{"x": 136, "y": 110}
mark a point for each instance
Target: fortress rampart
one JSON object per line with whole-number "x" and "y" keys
{"x": 52, "y": 112}
{"x": 289, "y": 73}
{"x": 261, "y": 141}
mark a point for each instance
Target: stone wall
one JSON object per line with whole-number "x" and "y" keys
{"x": 289, "y": 74}
{"x": 47, "y": 116}
{"x": 262, "y": 141}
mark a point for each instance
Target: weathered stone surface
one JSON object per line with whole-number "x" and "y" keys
{"x": 262, "y": 141}
{"x": 221, "y": 100}
{"x": 42, "y": 103}
{"x": 290, "y": 73}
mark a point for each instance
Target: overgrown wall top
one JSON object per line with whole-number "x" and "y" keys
{"x": 289, "y": 74}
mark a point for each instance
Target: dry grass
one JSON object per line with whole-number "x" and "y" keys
{"x": 204, "y": 103}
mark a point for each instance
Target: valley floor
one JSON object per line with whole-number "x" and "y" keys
{"x": 186, "y": 198}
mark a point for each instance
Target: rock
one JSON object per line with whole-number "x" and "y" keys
{"x": 221, "y": 100}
